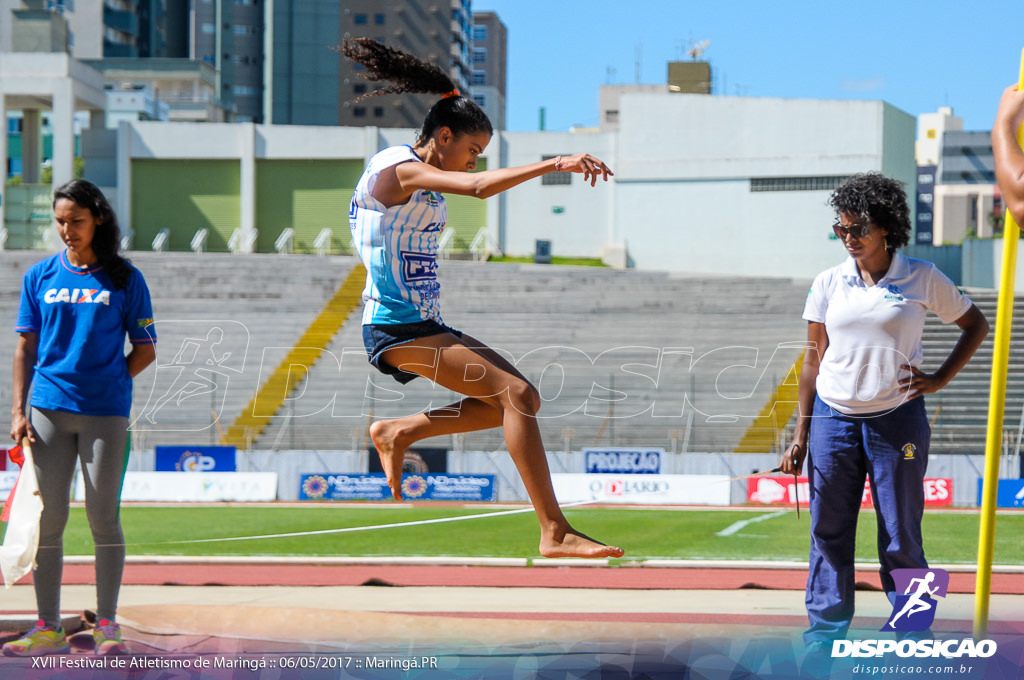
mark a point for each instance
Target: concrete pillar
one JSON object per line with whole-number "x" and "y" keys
{"x": 123, "y": 206}
{"x": 3, "y": 158}
{"x": 31, "y": 146}
{"x": 97, "y": 119}
{"x": 63, "y": 124}
{"x": 247, "y": 185}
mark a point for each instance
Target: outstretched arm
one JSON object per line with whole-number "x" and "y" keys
{"x": 396, "y": 184}
{"x": 1008, "y": 155}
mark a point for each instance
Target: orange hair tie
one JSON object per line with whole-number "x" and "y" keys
{"x": 453, "y": 93}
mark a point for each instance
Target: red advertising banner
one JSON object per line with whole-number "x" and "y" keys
{"x": 938, "y": 491}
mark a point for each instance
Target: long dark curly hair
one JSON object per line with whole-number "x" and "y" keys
{"x": 873, "y": 197}
{"x": 409, "y": 73}
{"x": 106, "y": 241}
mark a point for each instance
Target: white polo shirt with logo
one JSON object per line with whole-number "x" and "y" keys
{"x": 873, "y": 330}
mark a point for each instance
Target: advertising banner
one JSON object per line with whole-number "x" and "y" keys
{"x": 195, "y": 458}
{"x": 623, "y": 461}
{"x": 642, "y": 489}
{"x": 938, "y": 491}
{"x": 374, "y": 487}
{"x": 200, "y": 486}
{"x": 1009, "y": 493}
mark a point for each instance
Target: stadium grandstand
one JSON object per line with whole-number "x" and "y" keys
{"x": 622, "y": 358}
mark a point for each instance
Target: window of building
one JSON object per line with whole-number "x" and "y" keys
{"x": 555, "y": 178}
{"x": 208, "y": 29}
{"x": 359, "y": 88}
{"x": 481, "y": 100}
{"x": 479, "y": 55}
{"x": 379, "y": 19}
{"x": 378, "y": 111}
{"x": 478, "y": 78}
{"x": 361, "y": 19}
{"x": 479, "y": 33}
{"x": 796, "y": 183}
{"x": 359, "y": 111}
{"x": 241, "y": 29}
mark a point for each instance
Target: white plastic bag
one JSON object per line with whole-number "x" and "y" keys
{"x": 21, "y": 540}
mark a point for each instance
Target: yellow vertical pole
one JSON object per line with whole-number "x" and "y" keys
{"x": 997, "y": 402}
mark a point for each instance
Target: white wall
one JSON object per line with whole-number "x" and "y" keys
{"x": 583, "y": 227}
{"x": 685, "y": 163}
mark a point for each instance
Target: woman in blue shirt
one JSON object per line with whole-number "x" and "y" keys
{"x": 76, "y": 309}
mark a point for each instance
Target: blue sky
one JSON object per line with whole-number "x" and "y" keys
{"x": 917, "y": 56}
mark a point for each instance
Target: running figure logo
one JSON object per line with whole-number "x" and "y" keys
{"x": 914, "y": 610}
{"x": 210, "y": 354}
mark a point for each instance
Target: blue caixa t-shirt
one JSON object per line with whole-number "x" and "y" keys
{"x": 82, "y": 321}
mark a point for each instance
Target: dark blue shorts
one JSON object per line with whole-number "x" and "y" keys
{"x": 380, "y": 337}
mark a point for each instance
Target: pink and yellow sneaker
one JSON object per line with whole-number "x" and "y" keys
{"x": 107, "y": 636}
{"x": 39, "y": 641}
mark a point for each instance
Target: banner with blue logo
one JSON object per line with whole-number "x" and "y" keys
{"x": 374, "y": 487}
{"x": 195, "y": 459}
{"x": 623, "y": 461}
{"x": 1009, "y": 493}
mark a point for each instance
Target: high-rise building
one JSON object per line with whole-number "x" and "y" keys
{"x": 436, "y": 30}
{"x": 488, "y": 75}
{"x": 100, "y": 29}
{"x": 300, "y": 71}
{"x": 213, "y": 43}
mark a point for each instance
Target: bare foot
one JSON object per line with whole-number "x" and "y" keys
{"x": 391, "y": 453}
{"x": 574, "y": 544}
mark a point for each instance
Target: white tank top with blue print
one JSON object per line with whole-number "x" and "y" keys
{"x": 398, "y": 246}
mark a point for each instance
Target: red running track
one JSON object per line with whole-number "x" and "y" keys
{"x": 626, "y": 577}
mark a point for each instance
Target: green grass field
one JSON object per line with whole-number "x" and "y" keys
{"x": 645, "y": 533}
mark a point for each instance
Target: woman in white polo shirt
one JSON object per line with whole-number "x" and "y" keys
{"x": 861, "y": 411}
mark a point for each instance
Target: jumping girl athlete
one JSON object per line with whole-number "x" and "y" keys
{"x": 76, "y": 309}
{"x": 397, "y": 214}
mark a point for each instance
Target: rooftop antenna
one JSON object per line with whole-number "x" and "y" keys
{"x": 639, "y": 57}
{"x": 697, "y": 49}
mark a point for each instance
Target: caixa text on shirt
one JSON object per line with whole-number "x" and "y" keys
{"x": 77, "y": 295}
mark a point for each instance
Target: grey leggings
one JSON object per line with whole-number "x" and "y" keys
{"x": 99, "y": 442}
